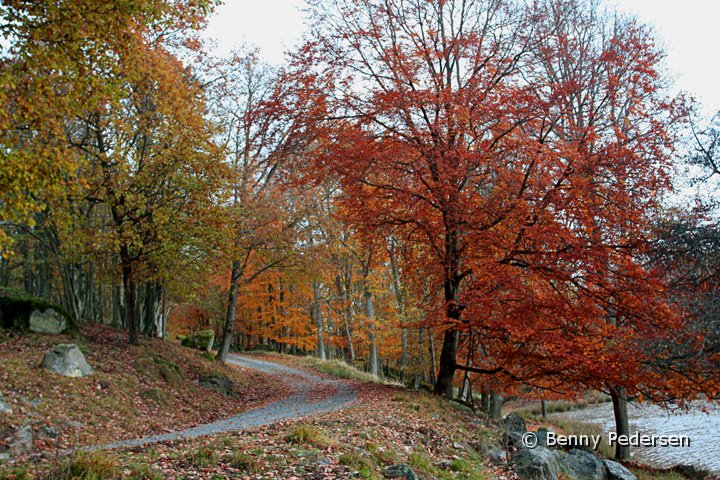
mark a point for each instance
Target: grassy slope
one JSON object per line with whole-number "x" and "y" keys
{"x": 135, "y": 390}
{"x": 388, "y": 426}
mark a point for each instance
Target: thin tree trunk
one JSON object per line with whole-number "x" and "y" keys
{"x": 344, "y": 294}
{"x": 543, "y": 408}
{"x": 399, "y": 297}
{"x": 130, "y": 310}
{"x": 229, "y": 327}
{"x": 369, "y": 310}
{"x": 622, "y": 424}
{"x": 485, "y": 399}
{"x": 496, "y": 402}
{"x": 433, "y": 362}
{"x": 320, "y": 347}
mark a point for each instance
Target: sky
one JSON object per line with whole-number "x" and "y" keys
{"x": 687, "y": 29}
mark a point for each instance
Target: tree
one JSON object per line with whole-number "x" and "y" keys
{"x": 260, "y": 115}
{"x": 523, "y": 150}
{"x": 51, "y": 71}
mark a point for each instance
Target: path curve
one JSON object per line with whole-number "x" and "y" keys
{"x": 299, "y": 404}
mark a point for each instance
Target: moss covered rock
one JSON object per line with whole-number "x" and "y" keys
{"x": 21, "y": 312}
{"x": 202, "y": 340}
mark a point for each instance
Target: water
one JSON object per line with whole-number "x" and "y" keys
{"x": 703, "y": 430}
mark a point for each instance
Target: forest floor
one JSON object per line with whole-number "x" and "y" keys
{"x": 295, "y": 430}
{"x": 294, "y": 418}
{"x": 135, "y": 391}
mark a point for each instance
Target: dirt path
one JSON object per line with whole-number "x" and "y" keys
{"x": 300, "y": 403}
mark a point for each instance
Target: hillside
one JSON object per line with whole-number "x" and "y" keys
{"x": 134, "y": 391}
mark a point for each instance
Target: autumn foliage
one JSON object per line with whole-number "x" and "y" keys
{"x": 446, "y": 192}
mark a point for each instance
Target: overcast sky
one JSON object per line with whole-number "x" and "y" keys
{"x": 687, "y": 29}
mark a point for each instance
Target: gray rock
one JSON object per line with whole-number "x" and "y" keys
{"x": 400, "y": 471}
{"x": 21, "y": 442}
{"x": 542, "y": 436}
{"x": 47, "y": 321}
{"x": 68, "y": 360}
{"x": 5, "y": 407}
{"x": 536, "y": 464}
{"x": 218, "y": 384}
{"x": 616, "y": 471}
{"x": 458, "y": 446}
{"x": 582, "y": 465}
{"x": 498, "y": 456}
{"x": 48, "y": 431}
{"x": 513, "y": 429}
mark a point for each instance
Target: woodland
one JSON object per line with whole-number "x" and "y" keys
{"x": 470, "y": 196}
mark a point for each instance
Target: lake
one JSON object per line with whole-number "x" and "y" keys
{"x": 703, "y": 430}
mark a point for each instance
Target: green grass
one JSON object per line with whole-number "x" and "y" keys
{"x": 653, "y": 475}
{"x": 561, "y": 406}
{"x": 340, "y": 369}
{"x": 87, "y": 466}
{"x": 364, "y": 466}
{"x": 244, "y": 463}
{"x": 203, "y": 457}
{"x": 309, "y": 435}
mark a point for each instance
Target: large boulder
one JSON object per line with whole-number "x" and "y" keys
{"x": 216, "y": 383}
{"x": 536, "y": 464}
{"x": 67, "y": 359}
{"x": 202, "y": 340}
{"x": 542, "y": 436}
{"x": 513, "y": 429}
{"x": 582, "y": 465}
{"x": 615, "y": 471}
{"x": 48, "y": 320}
{"x": 22, "y": 312}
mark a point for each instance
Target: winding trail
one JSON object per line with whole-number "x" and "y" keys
{"x": 299, "y": 404}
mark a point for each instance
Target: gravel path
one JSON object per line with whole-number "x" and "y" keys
{"x": 296, "y": 405}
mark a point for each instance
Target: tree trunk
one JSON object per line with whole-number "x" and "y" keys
{"x": 448, "y": 355}
{"x": 229, "y": 327}
{"x": 496, "y": 402}
{"x": 153, "y": 317}
{"x": 130, "y": 310}
{"x": 622, "y": 425}
{"x": 320, "y": 347}
{"x": 344, "y": 294}
{"x": 543, "y": 408}
{"x": 399, "y": 298}
{"x": 433, "y": 362}
{"x": 369, "y": 310}
{"x": 485, "y": 399}
{"x": 444, "y": 384}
